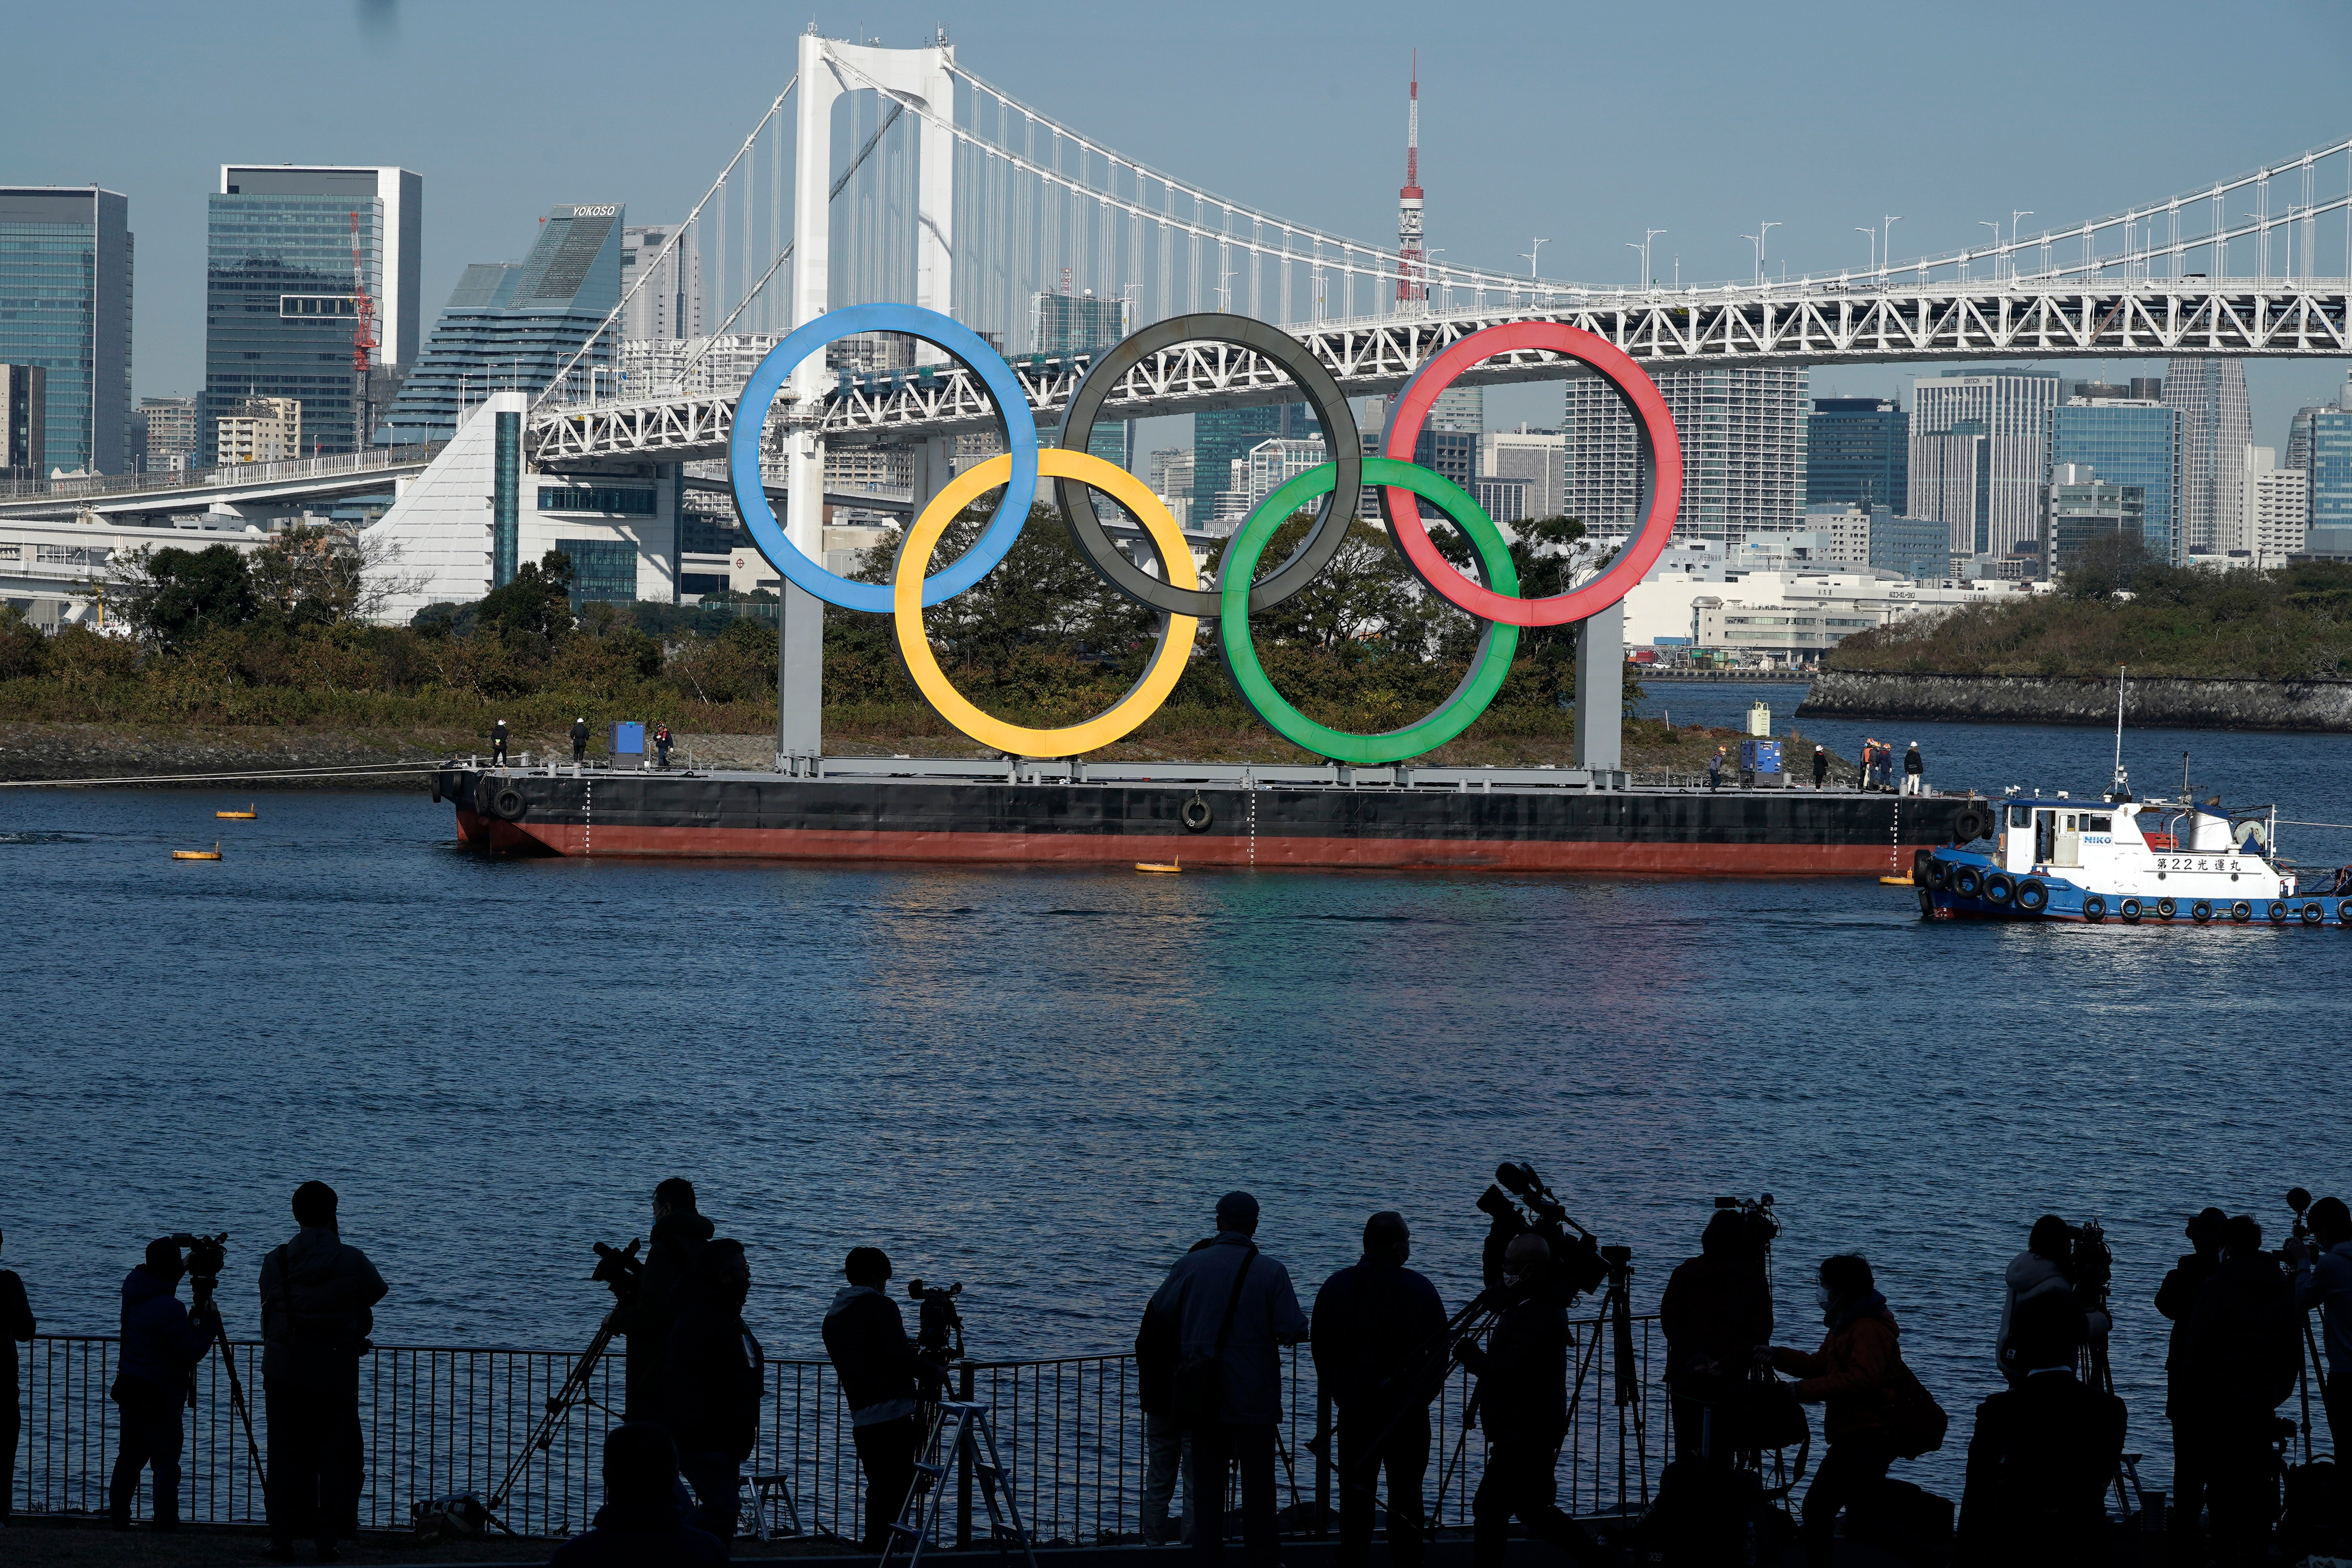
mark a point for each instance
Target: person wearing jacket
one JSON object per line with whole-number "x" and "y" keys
{"x": 2244, "y": 1347}
{"x": 2177, "y": 1300}
{"x": 645, "y": 1311}
{"x": 579, "y": 740}
{"x": 882, "y": 1378}
{"x": 715, "y": 1374}
{"x": 2044, "y": 1452}
{"x": 1821, "y": 767}
{"x": 162, "y": 1343}
{"x": 318, "y": 1301}
{"x": 1853, "y": 1375}
{"x": 2322, "y": 1280}
{"x": 639, "y": 1527}
{"x": 1914, "y": 770}
{"x": 1240, "y": 1351}
{"x": 1166, "y": 1444}
{"x": 16, "y": 1324}
{"x": 1522, "y": 1402}
{"x": 1371, "y": 1320}
{"x": 1715, "y": 1314}
{"x": 498, "y": 744}
{"x": 2040, "y": 1270}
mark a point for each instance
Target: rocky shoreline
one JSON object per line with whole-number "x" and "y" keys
{"x": 2316, "y": 705}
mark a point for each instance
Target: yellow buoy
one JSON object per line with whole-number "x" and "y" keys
{"x": 211, "y": 854}
{"x": 1896, "y": 882}
{"x": 247, "y": 815}
{"x": 1160, "y": 866}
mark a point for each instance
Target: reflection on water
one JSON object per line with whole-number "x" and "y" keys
{"x": 1037, "y": 1081}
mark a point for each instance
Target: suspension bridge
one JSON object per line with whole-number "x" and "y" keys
{"x": 911, "y": 178}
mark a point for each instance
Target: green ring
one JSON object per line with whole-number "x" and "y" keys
{"x": 1458, "y": 713}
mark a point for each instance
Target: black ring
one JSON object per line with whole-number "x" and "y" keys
{"x": 1321, "y": 394}
{"x": 1197, "y": 814}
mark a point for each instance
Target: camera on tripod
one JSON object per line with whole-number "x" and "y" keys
{"x": 207, "y": 1255}
{"x": 1520, "y": 1204}
{"x": 938, "y": 1327}
{"x": 2299, "y": 1200}
{"x": 2090, "y": 1266}
{"x": 619, "y": 1268}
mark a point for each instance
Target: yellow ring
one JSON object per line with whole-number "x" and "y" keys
{"x": 1142, "y": 700}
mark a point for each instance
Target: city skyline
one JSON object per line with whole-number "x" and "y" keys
{"x": 488, "y": 140}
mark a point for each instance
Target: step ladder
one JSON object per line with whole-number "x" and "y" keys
{"x": 770, "y": 1511}
{"x": 960, "y": 1431}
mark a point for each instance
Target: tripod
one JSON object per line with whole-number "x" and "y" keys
{"x": 960, "y": 1433}
{"x": 559, "y": 1407}
{"x": 200, "y": 1286}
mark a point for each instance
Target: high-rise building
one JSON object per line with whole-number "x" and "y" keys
{"x": 2298, "y": 437}
{"x": 1067, "y": 325}
{"x": 669, "y": 305}
{"x": 1539, "y": 458}
{"x": 2127, "y": 440}
{"x": 1743, "y": 441}
{"x": 164, "y": 435}
{"x": 512, "y": 326}
{"x": 1224, "y": 435}
{"x": 2079, "y": 506}
{"x": 2216, "y": 427}
{"x": 1462, "y": 409}
{"x": 2013, "y": 407}
{"x": 24, "y": 422}
{"x": 1917, "y": 547}
{"x": 1858, "y": 449}
{"x": 260, "y": 430}
{"x": 66, "y": 256}
{"x": 2274, "y": 513}
{"x": 281, "y": 305}
{"x": 2330, "y": 473}
{"x": 1951, "y": 483}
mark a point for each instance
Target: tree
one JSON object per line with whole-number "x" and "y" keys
{"x": 536, "y": 608}
{"x": 2106, "y": 567}
{"x": 169, "y": 597}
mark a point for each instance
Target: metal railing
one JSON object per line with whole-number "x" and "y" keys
{"x": 441, "y": 1420}
{"x": 280, "y": 470}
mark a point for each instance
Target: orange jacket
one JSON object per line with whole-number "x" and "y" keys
{"x": 1853, "y": 1372}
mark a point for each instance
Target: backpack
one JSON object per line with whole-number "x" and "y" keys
{"x": 1197, "y": 1387}
{"x": 1916, "y": 1424}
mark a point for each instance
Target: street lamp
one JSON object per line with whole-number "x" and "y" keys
{"x": 1870, "y": 235}
{"x": 1886, "y": 243}
{"x": 1763, "y": 231}
{"x": 1531, "y": 255}
{"x": 2015, "y": 213}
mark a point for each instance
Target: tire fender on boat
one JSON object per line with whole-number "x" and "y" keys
{"x": 1967, "y": 881}
{"x": 2129, "y": 910}
{"x": 2033, "y": 896}
{"x": 1999, "y": 886}
{"x": 436, "y": 788}
{"x": 2095, "y": 909}
{"x": 2166, "y": 909}
{"x": 2344, "y": 913}
{"x": 2241, "y": 911}
{"x": 509, "y": 803}
{"x": 1197, "y": 813}
{"x": 2313, "y": 914}
{"x": 1926, "y": 904}
{"x": 2278, "y": 911}
{"x": 1971, "y": 825}
{"x": 1939, "y": 875}
{"x": 2200, "y": 911}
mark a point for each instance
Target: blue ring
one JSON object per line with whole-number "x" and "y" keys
{"x": 967, "y": 347}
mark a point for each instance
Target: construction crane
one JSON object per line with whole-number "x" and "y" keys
{"x": 364, "y": 343}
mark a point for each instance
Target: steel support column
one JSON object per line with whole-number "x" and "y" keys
{"x": 1600, "y": 690}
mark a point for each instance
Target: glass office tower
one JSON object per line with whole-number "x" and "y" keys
{"x": 2128, "y": 443}
{"x": 1858, "y": 449}
{"x": 65, "y": 279}
{"x": 281, "y": 301}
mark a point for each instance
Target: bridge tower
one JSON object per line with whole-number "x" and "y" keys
{"x": 922, "y": 79}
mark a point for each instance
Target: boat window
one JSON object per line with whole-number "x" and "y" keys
{"x": 2098, "y": 824}
{"x": 2021, "y": 817}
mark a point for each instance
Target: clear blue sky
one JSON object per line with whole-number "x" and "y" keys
{"x": 1584, "y": 124}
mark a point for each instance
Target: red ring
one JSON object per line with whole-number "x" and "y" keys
{"x": 1653, "y": 421}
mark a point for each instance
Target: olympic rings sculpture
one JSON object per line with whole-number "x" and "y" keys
{"x": 1176, "y": 592}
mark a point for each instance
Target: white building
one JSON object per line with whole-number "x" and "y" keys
{"x": 2274, "y": 509}
{"x": 2216, "y": 425}
{"x": 1743, "y": 436}
{"x": 261, "y": 430}
{"x": 1538, "y": 457}
{"x": 669, "y": 306}
{"x": 1840, "y": 531}
{"x": 53, "y": 571}
{"x": 1990, "y": 496}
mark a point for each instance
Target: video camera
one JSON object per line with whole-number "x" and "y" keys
{"x": 2090, "y": 1266}
{"x": 938, "y": 1327}
{"x": 1520, "y": 1204}
{"x": 619, "y": 1268}
{"x": 207, "y": 1255}
{"x": 1759, "y": 1222}
{"x": 2299, "y": 1200}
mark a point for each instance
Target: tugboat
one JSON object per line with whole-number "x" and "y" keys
{"x": 2059, "y": 859}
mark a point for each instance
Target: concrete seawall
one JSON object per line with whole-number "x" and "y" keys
{"x": 2306, "y": 705}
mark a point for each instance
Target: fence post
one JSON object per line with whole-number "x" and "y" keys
{"x": 1323, "y": 1446}
{"x": 964, "y": 1472}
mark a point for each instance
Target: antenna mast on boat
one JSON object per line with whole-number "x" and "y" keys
{"x": 2120, "y": 788}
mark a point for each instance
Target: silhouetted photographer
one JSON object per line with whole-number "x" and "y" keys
{"x": 162, "y": 1343}
{"x": 318, "y": 1298}
{"x": 2049, "y": 1266}
{"x": 648, "y": 1299}
{"x": 1371, "y": 1321}
{"x": 639, "y": 1525}
{"x": 1715, "y": 1314}
{"x": 1522, "y": 1402}
{"x": 2043, "y": 1451}
{"x": 2322, "y": 1279}
{"x": 2244, "y": 1348}
{"x": 716, "y": 1375}
{"x": 883, "y": 1379}
{"x": 2192, "y": 1442}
